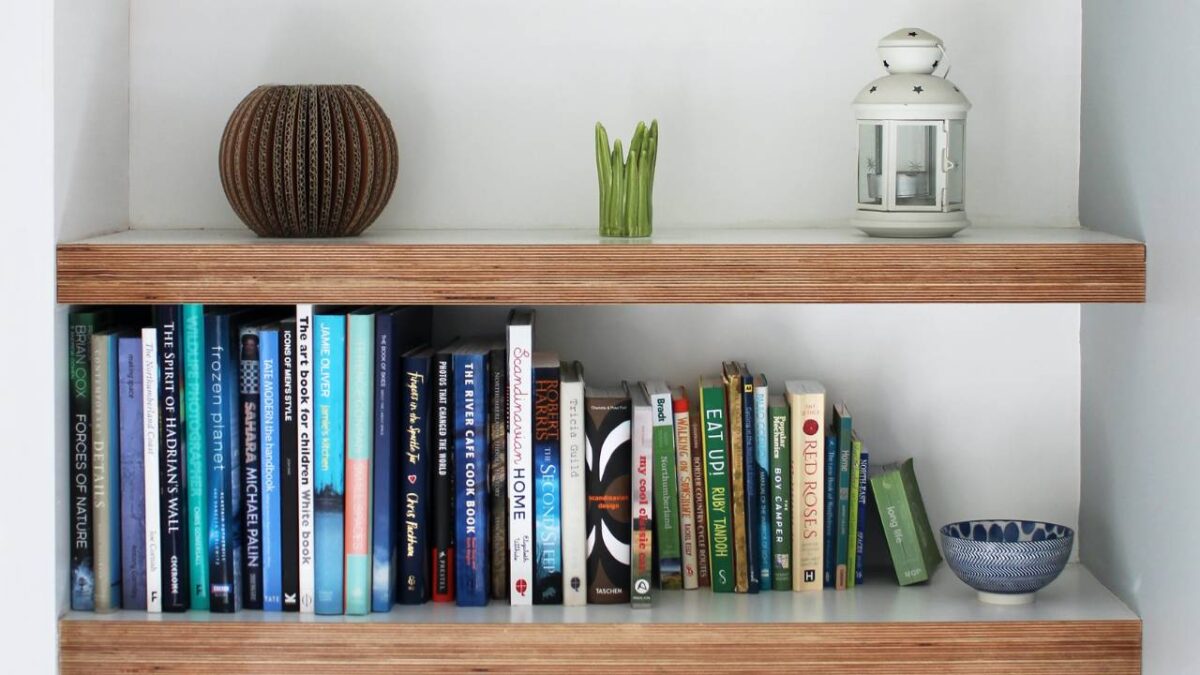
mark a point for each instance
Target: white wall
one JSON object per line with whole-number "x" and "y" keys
{"x": 27, "y": 535}
{"x": 493, "y": 102}
{"x": 1140, "y": 369}
{"x": 986, "y": 398}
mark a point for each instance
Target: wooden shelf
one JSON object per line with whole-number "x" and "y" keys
{"x": 575, "y": 267}
{"x": 1076, "y": 625}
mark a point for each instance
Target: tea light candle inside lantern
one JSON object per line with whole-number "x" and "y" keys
{"x": 911, "y": 134}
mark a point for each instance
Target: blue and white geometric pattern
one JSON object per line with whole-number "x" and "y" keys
{"x": 1007, "y": 556}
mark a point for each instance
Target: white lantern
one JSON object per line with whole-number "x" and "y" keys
{"x": 911, "y": 130}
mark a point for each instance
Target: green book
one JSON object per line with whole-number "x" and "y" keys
{"x": 666, "y": 487}
{"x": 841, "y": 425}
{"x": 905, "y": 523}
{"x": 716, "y": 483}
{"x": 781, "y": 493}
{"x": 856, "y": 449}
{"x": 360, "y": 437}
{"x": 196, "y": 456}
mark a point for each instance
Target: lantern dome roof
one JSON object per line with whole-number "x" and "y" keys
{"x": 910, "y": 37}
{"x": 911, "y": 96}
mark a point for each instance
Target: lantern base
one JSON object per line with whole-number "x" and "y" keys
{"x": 910, "y": 225}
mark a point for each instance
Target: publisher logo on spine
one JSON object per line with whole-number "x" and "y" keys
{"x": 522, "y": 586}
{"x": 642, "y": 586}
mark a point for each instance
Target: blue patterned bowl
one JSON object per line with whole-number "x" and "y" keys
{"x": 1007, "y": 561}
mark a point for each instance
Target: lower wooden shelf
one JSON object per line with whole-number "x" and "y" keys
{"x": 1076, "y": 625}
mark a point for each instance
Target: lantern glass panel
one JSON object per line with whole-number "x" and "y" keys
{"x": 870, "y": 164}
{"x": 955, "y": 168}
{"x": 916, "y": 165}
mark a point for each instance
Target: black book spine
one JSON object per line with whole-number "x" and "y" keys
{"x": 414, "y": 485}
{"x": 168, "y": 320}
{"x": 750, "y": 476}
{"x": 79, "y": 369}
{"x": 289, "y": 485}
{"x": 248, "y": 388}
{"x": 498, "y": 470}
{"x": 442, "y": 549}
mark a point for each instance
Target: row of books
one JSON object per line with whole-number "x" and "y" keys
{"x": 330, "y": 460}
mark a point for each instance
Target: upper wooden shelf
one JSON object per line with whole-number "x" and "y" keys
{"x": 1076, "y": 625}
{"x": 576, "y": 267}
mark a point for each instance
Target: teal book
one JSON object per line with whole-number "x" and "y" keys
{"x": 762, "y": 473}
{"x": 330, "y": 474}
{"x": 196, "y": 454}
{"x": 360, "y": 380}
{"x": 841, "y": 425}
{"x": 905, "y": 522}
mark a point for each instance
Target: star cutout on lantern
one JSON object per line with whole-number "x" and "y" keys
{"x": 872, "y": 90}
{"x": 918, "y": 89}
{"x": 913, "y": 34}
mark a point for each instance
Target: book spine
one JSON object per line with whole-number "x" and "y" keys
{"x": 574, "y": 495}
{"x": 700, "y": 506}
{"x": 172, "y": 474}
{"x": 289, "y": 486}
{"x": 249, "y": 400}
{"x": 665, "y": 494}
{"x": 415, "y": 408}
{"x": 843, "y": 502}
{"x": 856, "y": 449}
{"x": 811, "y": 540}
{"x": 609, "y": 465}
{"x": 830, "y": 519}
{"x": 224, "y": 477}
{"x": 383, "y": 533}
{"x": 272, "y": 515}
{"x": 132, "y": 471}
{"x": 864, "y": 464}
{"x": 898, "y": 527}
{"x": 82, "y": 580}
{"x": 750, "y": 475}
{"x": 329, "y": 336}
{"x": 106, "y": 485}
{"x": 717, "y": 488}
{"x": 360, "y": 387}
{"x": 781, "y": 499}
{"x": 643, "y": 505}
{"x": 737, "y": 486}
{"x": 498, "y": 469}
{"x": 687, "y": 504}
{"x": 547, "y": 525}
{"x": 305, "y": 459}
{"x": 195, "y": 424}
{"x": 151, "y": 441}
{"x": 470, "y": 465}
{"x": 520, "y": 463}
{"x": 762, "y": 472}
{"x": 442, "y": 540}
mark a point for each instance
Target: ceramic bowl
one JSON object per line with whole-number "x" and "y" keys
{"x": 1007, "y": 561}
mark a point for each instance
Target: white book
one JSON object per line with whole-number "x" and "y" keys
{"x": 806, "y": 409}
{"x": 304, "y": 454}
{"x": 574, "y": 491}
{"x": 150, "y": 440}
{"x": 520, "y": 456}
{"x": 642, "y": 500}
{"x": 683, "y": 473}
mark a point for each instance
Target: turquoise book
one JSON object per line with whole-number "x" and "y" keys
{"x": 360, "y": 382}
{"x": 762, "y": 458}
{"x": 269, "y": 432}
{"x": 330, "y": 476}
{"x": 196, "y": 454}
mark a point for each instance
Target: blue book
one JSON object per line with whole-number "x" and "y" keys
{"x": 860, "y": 537}
{"x": 133, "y": 478}
{"x": 754, "y": 554}
{"x": 270, "y": 450}
{"x": 330, "y": 413}
{"x": 470, "y": 388}
{"x": 547, "y": 485}
{"x": 224, "y": 464}
{"x": 383, "y": 537}
{"x": 762, "y": 457}
{"x": 413, "y": 507}
{"x": 830, "y": 540}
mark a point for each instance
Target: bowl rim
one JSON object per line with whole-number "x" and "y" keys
{"x": 944, "y": 529}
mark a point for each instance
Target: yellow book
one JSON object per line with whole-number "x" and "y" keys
{"x": 731, "y": 375}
